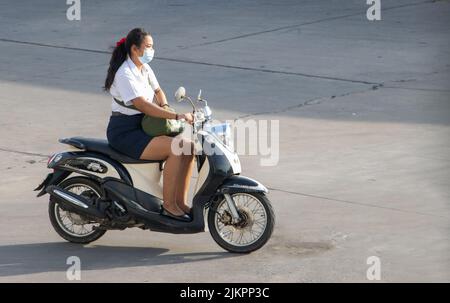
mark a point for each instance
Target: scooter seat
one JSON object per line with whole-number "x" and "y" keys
{"x": 102, "y": 146}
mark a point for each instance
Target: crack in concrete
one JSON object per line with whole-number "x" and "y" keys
{"x": 355, "y": 203}
{"x": 302, "y": 24}
{"x": 55, "y": 46}
{"x": 313, "y": 101}
{"x": 320, "y": 100}
{"x": 268, "y": 71}
{"x": 199, "y": 63}
{"x": 23, "y": 153}
{"x": 69, "y": 70}
{"x": 270, "y": 30}
{"x": 420, "y": 89}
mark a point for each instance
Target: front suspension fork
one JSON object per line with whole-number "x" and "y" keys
{"x": 232, "y": 207}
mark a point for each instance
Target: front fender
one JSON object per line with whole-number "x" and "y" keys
{"x": 241, "y": 184}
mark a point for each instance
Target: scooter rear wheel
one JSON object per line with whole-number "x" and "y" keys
{"x": 71, "y": 226}
{"x": 247, "y": 235}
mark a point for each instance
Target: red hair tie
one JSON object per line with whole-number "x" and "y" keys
{"x": 121, "y": 41}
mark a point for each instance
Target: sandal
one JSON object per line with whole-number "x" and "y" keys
{"x": 183, "y": 217}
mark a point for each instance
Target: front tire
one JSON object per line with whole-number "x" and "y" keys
{"x": 63, "y": 220}
{"x": 249, "y": 234}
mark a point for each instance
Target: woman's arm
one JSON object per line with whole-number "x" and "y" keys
{"x": 151, "y": 109}
{"x": 160, "y": 97}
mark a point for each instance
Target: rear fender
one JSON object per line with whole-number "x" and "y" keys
{"x": 52, "y": 178}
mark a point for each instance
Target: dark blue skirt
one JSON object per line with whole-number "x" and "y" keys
{"x": 125, "y": 135}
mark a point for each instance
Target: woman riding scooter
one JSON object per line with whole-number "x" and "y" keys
{"x": 131, "y": 81}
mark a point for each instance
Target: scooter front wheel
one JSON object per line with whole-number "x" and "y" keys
{"x": 248, "y": 234}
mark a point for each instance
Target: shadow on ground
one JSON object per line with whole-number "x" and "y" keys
{"x": 47, "y": 257}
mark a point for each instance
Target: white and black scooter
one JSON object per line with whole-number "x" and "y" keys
{"x": 93, "y": 188}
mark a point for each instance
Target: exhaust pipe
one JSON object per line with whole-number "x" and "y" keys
{"x": 70, "y": 198}
{"x": 74, "y": 203}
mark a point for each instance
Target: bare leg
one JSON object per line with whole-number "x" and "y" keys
{"x": 159, "y": 148}
{"x": 184, "y": 174}
{"x": 184, "y": 178}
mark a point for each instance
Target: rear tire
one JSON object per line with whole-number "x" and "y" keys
{"x": 218, "y": 208}
{"x": 54, "y": 211}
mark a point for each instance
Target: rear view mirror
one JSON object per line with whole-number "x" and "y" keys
{"x": 180, "y": 94}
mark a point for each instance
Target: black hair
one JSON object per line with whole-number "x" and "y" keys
{"x": 135, "y": 37}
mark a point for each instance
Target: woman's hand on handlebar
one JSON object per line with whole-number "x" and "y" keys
{"x": 187, "y": 116}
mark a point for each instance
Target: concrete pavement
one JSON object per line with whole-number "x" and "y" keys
{"x": 364, "y": 111}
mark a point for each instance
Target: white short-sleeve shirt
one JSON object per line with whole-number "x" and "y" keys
{"x": 130, "y": 83}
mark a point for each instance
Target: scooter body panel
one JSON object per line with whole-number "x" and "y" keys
{"x": 146, "y": 177}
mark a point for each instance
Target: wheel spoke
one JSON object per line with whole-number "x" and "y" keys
{"x": 228, "y": 234}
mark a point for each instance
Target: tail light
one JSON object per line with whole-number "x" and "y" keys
{"x": 54, "y": 158}
{"x": 50, "y": 159}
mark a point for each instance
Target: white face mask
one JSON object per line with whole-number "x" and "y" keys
{"x": 148, "y": 56}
